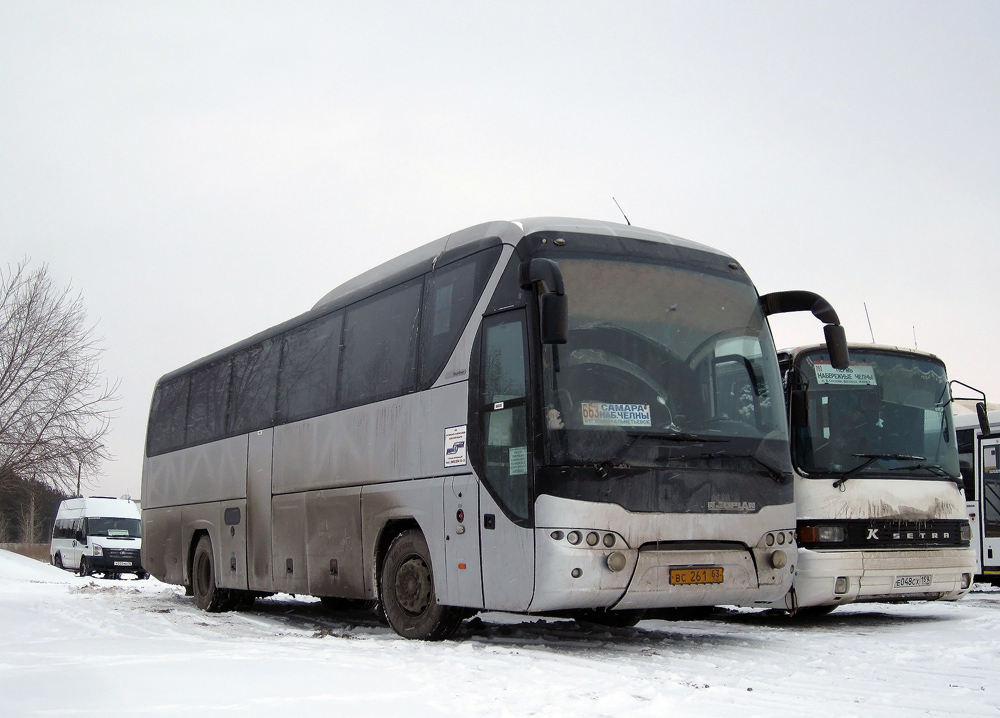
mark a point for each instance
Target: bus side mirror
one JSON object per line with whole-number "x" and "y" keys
{"x": 555, "y": 318}
{"x": 798, "y": 405}
{"x": 553, "y": 304}
{"x": 79, "y": 537}
{"x": 984, "y": 418}
{"x": 836, "y": 344}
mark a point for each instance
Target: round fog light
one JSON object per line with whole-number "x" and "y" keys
{"x": 616, "y": 561}
{"x": 779, "y": 559}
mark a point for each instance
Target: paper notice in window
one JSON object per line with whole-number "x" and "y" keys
{"x": 518, "y": 456}
{"x": 600, "y": 414}
{"x": 854, "y": 375}
{"x": 454, "y": 446}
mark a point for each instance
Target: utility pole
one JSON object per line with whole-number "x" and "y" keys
{"x": 79, "y": 468}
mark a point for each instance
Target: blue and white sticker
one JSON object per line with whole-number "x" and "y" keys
{"x": 597, "y": 413}
{"x": 454, "y": 446}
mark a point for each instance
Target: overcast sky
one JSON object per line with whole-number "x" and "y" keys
{"x": 201, "y": 171}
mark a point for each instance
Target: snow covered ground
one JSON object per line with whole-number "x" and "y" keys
{"x": 86, "y": 647}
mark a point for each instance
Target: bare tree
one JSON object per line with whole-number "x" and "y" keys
{"x": 55, "y": 406}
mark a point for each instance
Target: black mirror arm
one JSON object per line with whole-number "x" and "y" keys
{"x": 799, "y": 301}
{"x": 542, "y": 270}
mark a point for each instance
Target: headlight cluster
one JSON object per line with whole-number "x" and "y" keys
{"x": 98, "y": 549}
{"x": 591, "y": 537}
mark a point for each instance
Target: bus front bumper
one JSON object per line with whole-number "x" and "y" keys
{"x": 661, "y": 576}
{"x": 831, "y": 578}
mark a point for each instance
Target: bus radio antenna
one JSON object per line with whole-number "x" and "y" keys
{"x": 869, "y": 322}
{"x": 621, "y": 210}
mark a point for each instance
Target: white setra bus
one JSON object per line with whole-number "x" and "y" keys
{"x": 542, "y": 416}
{"x": 979, "y": 461}
{"x": 881, "y": 510}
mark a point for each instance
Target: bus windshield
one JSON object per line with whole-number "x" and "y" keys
{"x": 113, "y": 527}
{"x": 887, "y": 415}
{"x": 663, "y": 362}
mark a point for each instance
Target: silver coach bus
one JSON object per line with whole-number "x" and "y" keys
{"x": 546, "y": 416}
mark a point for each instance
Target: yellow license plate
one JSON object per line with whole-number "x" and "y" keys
{"x": 687, "y": 576}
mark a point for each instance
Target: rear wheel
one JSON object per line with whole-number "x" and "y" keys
{"x": 207, "y": 596}
{"x": 407, "y": 591}
{"x": 57, "y": 561}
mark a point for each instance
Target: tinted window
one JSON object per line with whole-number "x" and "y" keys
{"x": 308, "y": 380}
{"x": 505, "y": 424}
{"x": 450, "y": 296}
{"x": 206, "y": 419}
{"x": 254, "y": 387}
{"x": 167, "y": 416}
{"x": 380, "y": 339}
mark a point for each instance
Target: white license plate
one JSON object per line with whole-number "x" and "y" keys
{"x": 913, "y": 581}
{"x": 123, "y": 563}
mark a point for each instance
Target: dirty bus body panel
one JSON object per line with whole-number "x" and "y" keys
{"x": 881, "y": 510}
{"x": 412, "y": 439}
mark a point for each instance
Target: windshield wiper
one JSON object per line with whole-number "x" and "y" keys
{"x": 935, "y": 469}
{"x": 775, "y": 473}
{"x": 602, "y": 467}
{"x": 871, "y": 459}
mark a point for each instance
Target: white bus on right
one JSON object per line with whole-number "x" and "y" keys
{"x": 881, "y": 511}
{"x": 979, "y": 462}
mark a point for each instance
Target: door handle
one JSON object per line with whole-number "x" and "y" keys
{"x": 489, "y": 521}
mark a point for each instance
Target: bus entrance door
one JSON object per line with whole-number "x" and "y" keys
{"x": 990, "y": 503}
{"x": 506, "y": 538}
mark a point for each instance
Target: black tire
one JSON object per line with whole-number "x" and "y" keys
{"x": 84, "y": 567}
{"x": 612, "y": 619}
{"x": 57, "y": 561}
{"x": 339, "y": 605}
{"x": 141, "y": 575}
{"x": 207, "y": 596}
{"x": 407, "y": 593}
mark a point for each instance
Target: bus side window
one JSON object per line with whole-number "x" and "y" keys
{"x": 380, "y": 346}
{"x": 168, "y": 415}
{"x": 450, "y": 295}
{"x": 504, "y": 400}
{"x": 253, "y": 388}
{"x": 206, "y": 417}
{"x": 308, "y": 378}
{"x": 966, "y": 447}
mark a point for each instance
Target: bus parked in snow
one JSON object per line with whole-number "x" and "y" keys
{"x": 98, "y": 534}
{"x": 541, "y": 416}
{"x": 979, "y": 461}
{"x": 881, "y": 510}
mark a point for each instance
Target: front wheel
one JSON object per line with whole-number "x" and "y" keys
{"x": 407, "y": 591}
{"x": 84, "y": 566}
{"x": 207, "y": 596}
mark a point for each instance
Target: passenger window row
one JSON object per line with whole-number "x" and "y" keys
{"x": 380, "y": 347}
{"x": 66, "y": 528}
